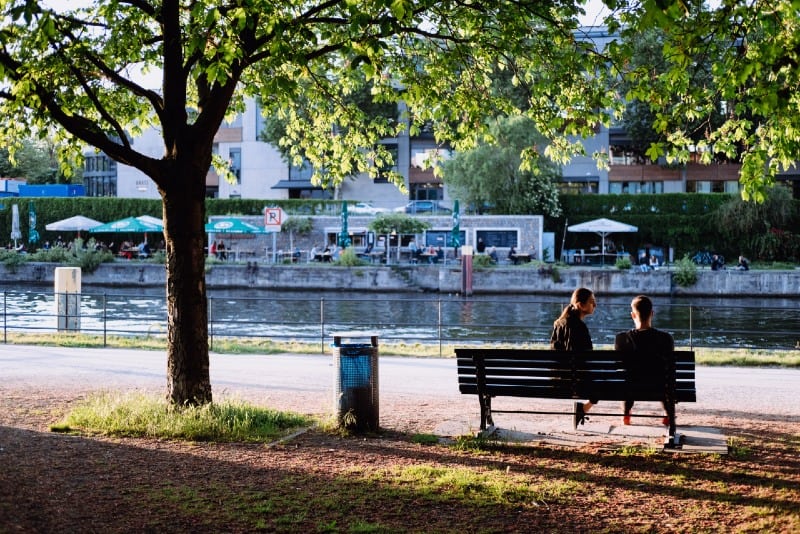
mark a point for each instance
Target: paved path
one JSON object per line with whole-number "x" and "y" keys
{"x": 415, "y": 394}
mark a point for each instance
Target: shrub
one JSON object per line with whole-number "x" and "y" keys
{"x": 12, "y": 259}
{"x": 348, "y": 258}
{"x": 481, "y": 261}
{"x": 685, "y": 274}
{"x": 623, "y": 264}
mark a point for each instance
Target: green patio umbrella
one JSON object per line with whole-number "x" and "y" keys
{"x": 130, "y": 225}
{"x": 232, "y": 225}
{"x": 33, "y": 235}
{"x": 344, "y": 237}
{"x": 455, "y": 235}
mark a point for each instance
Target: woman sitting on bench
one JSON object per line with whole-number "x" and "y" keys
{"x": 570, "y": 333}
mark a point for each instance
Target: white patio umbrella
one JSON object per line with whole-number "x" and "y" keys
{"x": 15, "y": 231}
{"x": 603, "y": 227}
{"x": 76, "y": 223}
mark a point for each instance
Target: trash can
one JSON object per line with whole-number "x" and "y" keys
{"x": 356, "y": 380}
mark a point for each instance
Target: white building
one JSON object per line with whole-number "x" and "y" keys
{"x": 262, "y": 173}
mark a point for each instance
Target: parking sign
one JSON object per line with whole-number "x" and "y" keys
{"x": 273, "y": 219}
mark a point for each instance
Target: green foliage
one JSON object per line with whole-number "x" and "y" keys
{"x": 494, "y": 173}
{"x": 683, "y": 221}
{"x": 139, "y": 415}
{"x": 757, "y": 227}
{"x": 623, "y": 263}
{"x": 348, "y": 258}
{"x": 12, "y": 259}
{"x": 300, "y": 225}
{"x": 90, "y": 259}
{"x": 739, "y": 59}
{"x": 685, "y": 274}
{"x": 482, "y": 261}
{"x": 386, "y": 223}
{"x": 31, "y": 160}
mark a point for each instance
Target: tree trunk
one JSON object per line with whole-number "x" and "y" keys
{"x": 188, "y": 379}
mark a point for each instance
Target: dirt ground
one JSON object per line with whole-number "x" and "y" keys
{"x": 318, "y": 482}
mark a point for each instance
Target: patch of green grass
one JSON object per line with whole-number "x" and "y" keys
{"x": 741, "y": 357}
{"x": 748, "y": 357}
{"x": 425, "y": 439}
{"x": 635, "y": 450}
{"x": 738, "y": 449}
{"x": 139, "y": 415}
{"x": 476, "y": 443}
{"x": 484, "y": 487}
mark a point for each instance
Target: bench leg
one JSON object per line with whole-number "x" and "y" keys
{"x": 486, "y": 410}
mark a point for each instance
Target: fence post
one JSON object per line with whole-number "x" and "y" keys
{"x": 322, "y": 325}
{"x": 211, "y": 323}
{"x": 105, "y": 321}
{"x": 439, "y": 323}
{"x": 5, "y": 318}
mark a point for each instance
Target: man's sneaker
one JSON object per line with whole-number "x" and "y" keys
{"x": 578, "y": 416}
{"x": 626, "y": 419}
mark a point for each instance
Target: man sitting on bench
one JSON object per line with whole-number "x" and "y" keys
{"x": 647, "y": 346}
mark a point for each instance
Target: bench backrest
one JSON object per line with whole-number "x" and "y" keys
{"x": 603, "y": 374}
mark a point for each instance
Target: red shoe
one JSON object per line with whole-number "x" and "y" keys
{"x": 626, "y": 419}
{"x": 665, "y": 421}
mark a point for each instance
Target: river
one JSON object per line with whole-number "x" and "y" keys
{"x": 411, "y": 317}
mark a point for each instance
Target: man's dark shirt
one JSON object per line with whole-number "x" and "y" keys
{"x": 648, "y": 348}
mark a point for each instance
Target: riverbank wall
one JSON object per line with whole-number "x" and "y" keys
{"x": 431, "y": 278}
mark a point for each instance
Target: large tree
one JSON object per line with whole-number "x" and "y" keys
{"x": 78, "y": 69}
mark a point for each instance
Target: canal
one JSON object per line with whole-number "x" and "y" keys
{"x": 770, "y": 323}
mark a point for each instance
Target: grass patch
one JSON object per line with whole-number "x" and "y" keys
{"x": 478, "y": 488}
{"x": 478, "y": 443}
{"x": 740, "y": 357}
{"x": 140, "y": 415}
{"x": 425, "y": 439}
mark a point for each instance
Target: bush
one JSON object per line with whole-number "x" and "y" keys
{"x": 481, "y": 261}
{"x": 348, "y": 258}
{"x": 685, "y": 274}
{"x": 12, "y": 259}
{"x": 623, "y": 264}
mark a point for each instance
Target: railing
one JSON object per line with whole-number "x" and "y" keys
{"x": 433, "y": 319}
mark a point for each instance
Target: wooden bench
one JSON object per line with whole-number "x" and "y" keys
{"x": 603, "y": 374}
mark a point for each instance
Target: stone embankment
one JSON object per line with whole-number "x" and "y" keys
{"x": 432, "y": 278}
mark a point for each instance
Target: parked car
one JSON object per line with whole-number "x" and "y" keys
{"x": 423, "y": 206}
{"x": 364, "y": 208}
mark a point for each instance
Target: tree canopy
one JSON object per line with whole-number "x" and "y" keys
{"x": 493, "y": 173}
{"x": 740, "y": 58}
{"x": 75, "y": 72}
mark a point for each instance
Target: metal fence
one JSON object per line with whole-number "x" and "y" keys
{"x": 427, "y": 319}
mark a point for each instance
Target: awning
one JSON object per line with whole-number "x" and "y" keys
{"x": 295, "y": 184}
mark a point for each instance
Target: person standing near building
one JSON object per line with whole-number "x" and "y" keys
{"x": 570, "y": 333}
{"x": 648, "y": 345}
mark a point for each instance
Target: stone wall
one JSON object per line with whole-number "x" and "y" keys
{"x": 433, "y": 278}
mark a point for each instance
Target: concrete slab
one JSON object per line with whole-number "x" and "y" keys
{"x": 694, "y": 439}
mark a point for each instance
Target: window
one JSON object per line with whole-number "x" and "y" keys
{"x": 235, "y": 162}
{"x": 635, "y": 188}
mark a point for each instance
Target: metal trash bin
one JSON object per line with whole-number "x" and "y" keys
{"x": 356, "y": 381}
